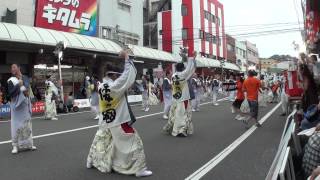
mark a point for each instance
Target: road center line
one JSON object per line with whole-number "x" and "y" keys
{"x": 94, "y": 126}
{"x": 223, "y": 154}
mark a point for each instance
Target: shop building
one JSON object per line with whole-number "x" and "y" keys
{"x": 196, "y": 24}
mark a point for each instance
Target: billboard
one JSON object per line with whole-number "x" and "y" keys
{"x": 76, "y": 16}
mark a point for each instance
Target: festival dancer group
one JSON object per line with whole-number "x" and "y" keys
{"x": 117, "y": 146}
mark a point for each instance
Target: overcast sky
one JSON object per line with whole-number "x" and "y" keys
{"x": 253, "y": 12}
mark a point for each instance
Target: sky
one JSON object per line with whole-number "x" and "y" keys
{"x": 270, "y": 12}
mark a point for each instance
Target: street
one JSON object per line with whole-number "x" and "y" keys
{"x": 63, "y": 147}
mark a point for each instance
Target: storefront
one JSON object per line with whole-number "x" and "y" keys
{"x": 33, "y": 48}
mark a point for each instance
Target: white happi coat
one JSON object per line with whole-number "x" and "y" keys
{"x": 116, "y": 145}
{"x": 180, "y": 113}
{"x": 51, "y": 90}
{"x": 113, "y": 104}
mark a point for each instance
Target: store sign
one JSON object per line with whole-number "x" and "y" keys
{"x": 77, "y": 16}
{"x": 134, "y": 98}
{"x": 5, "y": 110}
{"x": 81, "y": 103}
{"x": 37, "y": 107}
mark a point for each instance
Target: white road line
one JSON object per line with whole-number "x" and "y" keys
{"x": 41, "y": 117}
{"x": 223, "y": 154}
{"x": 89, "y": 127}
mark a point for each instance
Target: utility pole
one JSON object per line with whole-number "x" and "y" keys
{"x": 60, "y": 47}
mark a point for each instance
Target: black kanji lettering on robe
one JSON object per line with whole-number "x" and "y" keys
{"x": 105, "y": 93}
{"x": 110, "y": 114}
{"x": 178, "y": 91}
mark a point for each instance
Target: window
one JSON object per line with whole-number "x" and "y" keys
{"x": 220, "y": 41}
{"x": 213, "y": 18}
{"x": 107, "y": 33}
{"x": 124, "y": 7}
{"x": 184, "y": 10}
{"x": 229, "y": 47}
{"x": 214, "y": 39}
{"x": 218, "y": 21}
{"x": 208, "y": 37}
{"x": 160, "y": 32}
{"x": 206, "y": 14}
{"x": 184, "y": 34}
{"x": 201, "y": 34}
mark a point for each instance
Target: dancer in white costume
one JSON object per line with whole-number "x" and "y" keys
{"x": 145, "y": 93}
{"x": 117, "y": 146}
{"x": 196, "y": 88}
{"x": 179, "y": 123}
{"x": 94, "y": 97}
{"x": 153, "y": 100}
{"x": 215, "y": 84}
{"x": 50, "y": 100}
{"x": 20, "y": 104}
{"x": 167, "y": 95}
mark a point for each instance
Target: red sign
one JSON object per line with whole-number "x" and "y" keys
{"x": 38, "y": 107}
{"x": 77, "y": 16}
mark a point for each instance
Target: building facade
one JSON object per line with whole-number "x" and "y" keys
{"x": 231, "y": 49}
{"x": 311, "y": 10}
{"x": 17, "y": 11}
{"x": 116, "y": 19}
{"x": 241, "y": 55}
{"x": 252, "y": 54}
{"x": 267, "y": 63}
{"x": 196, "y": 24}
{"x": 150, "y": 12}
{"x": 121, "y": 20}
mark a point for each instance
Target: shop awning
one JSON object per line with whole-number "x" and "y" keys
{"x": 47, "y": 37}
{"x": 150, "y": 53}
{"x": 206, "y": 62}
{"x": 231, "y": 66}
{"x": 33, "y": 35}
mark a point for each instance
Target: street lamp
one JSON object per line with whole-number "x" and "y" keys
{"x": 60, "y": 47}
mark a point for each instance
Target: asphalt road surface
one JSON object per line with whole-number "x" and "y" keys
{"x": 63, "y": 147}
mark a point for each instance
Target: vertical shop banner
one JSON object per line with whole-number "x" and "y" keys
{"x": 77, "y": 16}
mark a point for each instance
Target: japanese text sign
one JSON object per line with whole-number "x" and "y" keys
{"x": 77, "y": 16}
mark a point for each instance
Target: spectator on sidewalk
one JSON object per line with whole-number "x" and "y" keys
{"x": 311, "y": 156}
{"x": 310, "y": 94}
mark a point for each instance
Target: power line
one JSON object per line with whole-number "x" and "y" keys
{"x": 242, "y": 35}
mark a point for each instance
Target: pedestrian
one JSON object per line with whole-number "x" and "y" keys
{"x": 215, "y": 86}
{"x": 51, "y": 95}
{"x": 94, "y": 97}
{"x": 179, "y": 123}
{"x": 196, "y": 85}
{"x": 251, "y": 87}
{"x": 86, "y": 90}
{"x": 239, "y": 98}
{"x": 167, "y": 94}
{"x": 117, "y": 145}
{"x": 20, "y": 104}
{"x": 70, "y": 101}
{"x": 145, "y": 93}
